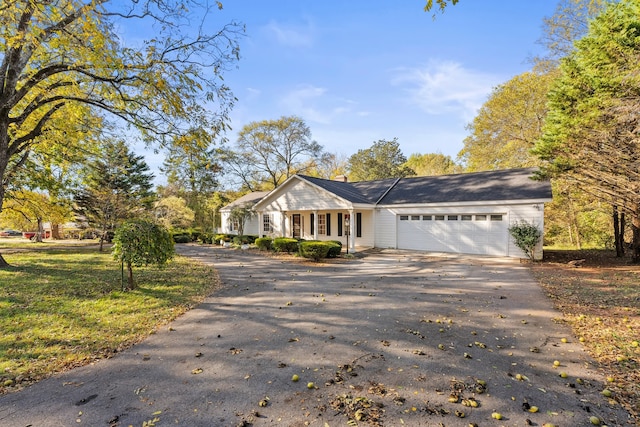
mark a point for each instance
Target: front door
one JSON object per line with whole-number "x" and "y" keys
{"x": 296, "y": 226}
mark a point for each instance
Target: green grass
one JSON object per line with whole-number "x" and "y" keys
{"x": 61, "y": 308}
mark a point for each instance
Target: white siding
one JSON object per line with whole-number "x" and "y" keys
{"x": 304, "y": 197}
{"x": 464, "y": 236}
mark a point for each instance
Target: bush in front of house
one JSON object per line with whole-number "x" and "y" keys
{"x": 223, "y": 238}
{"x": 314, "y": 249}
{"x": 264, "y": 243}
{"x": 285, "y": 244}
{"x": 181, "y": 237}
{"x": 335, "y": 248}
{"x": 245, "y": 239}
{"x": 206, "y": 238}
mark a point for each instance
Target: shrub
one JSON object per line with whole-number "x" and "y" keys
{"x": 139, "y": 242}
{"x": 335, "y": 248}
{"x": 206, "y": 238}
{"x": 223, "y": 237}
{"x": 285, "y": 244}
{"x": 246, "y": 239}
{"x": 181, "y": 238}
{"x": 314, "y": 249}
{"x": 526, "y": 236}
{"x": 264, "y": 243}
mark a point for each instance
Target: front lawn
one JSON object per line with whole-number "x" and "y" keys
{"x": 61, "y": 308}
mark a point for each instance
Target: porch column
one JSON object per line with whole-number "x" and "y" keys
{"x": 352, "y": 232}
{"x": 283, "y": 224}
{"x": 260, "y": 224}
{"x": 315, "y": 225}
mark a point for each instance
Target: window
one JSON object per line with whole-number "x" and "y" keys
{"x": 404, "y": 217}
{"x": 322, "y": 224}
{"x": 427, "y": 217}
{"x": 465, "y": 217}
{"x": 415, "y": 217}
{"x": 266, "y": 224}
{"x": 481, "y": 217}
{"x": 234, "y": 225}
{"x": 439, "y": 217}
{"x": 452, "y": 217}
{"x": 496, "y": 217}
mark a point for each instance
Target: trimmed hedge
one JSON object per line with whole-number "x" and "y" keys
{"x": 181, "y": 238}
{"x": 246, "y": 239}
{"x": 314, "y": 249}
{"x": 335, "y": 248}
{"x": 285, "y": 244}
{"x": 264, "y": 243}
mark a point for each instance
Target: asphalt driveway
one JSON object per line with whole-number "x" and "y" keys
{"x": 389, "y": 339}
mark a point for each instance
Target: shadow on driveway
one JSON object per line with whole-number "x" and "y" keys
{"x": 388, "y": 339}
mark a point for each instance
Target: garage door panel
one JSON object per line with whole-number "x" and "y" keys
{"x": 482, "y": 237}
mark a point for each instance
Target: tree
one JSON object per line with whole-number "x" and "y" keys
{"x": 383, "y": 159}
{"x": 139, "y": 242}
{"x": 240, "y": 215}
{"x": 508, "y": 124}
{"x": 62, "y": 64}
{"x": 590, "y": 135}
{"x": 442, "y": 4}
{"x": 28, "y": 210}
{"x": 432, "y": 164}
{"x": 117, "y": 187}
{"x": 270, "y": 151}
{"x": 192, "y": 174}
{"x": 172, "y": 212}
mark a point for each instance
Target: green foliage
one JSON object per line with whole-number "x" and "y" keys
{"x": 117, "y": 186}
{"x": 590, "y": 134}
{"x": 314, "y": 249}
{"x": 432, "y": 164}
{"x": 335, "y": 248}
{"x": 264, "y": 243}
{"x": 382, "y": 160}
{"x": 526, "y": 237}
{"x": 181, "y": 237}
{"x": 139, "y": 242}
{"x": 285, "y": 244}
{"x": 508, "y": 124}
{"x": 241, "y": 214}
{"x": 172, "y": 212}
{"x": 223, "y": 237}
{"x": 245, "y": 239}
{"x": 206, "y": 238}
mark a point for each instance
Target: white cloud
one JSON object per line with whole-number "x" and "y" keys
{"x": 291, "y": 35}
{"x": 446, "y": 87}
{"x": 314, "y": 104}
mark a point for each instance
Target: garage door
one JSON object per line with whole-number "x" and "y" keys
{"x": 485, "y": 234}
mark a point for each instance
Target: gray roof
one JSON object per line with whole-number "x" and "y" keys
{"x": 247, "y": 200}
{"x": 508, "y": 184}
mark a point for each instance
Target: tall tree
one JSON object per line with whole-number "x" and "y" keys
{"x": 117, "y": 187}
{"x": 29, "y": 210}
{"x": 192, "y": 170}
{"x": 431, "y": 164}
{"x": 590, "y": 134}
{"x": 383, "y": 159}
{"x": 270, "y": 151}
{"x": 62, "y": 63}
{"x": 508, "y": 124}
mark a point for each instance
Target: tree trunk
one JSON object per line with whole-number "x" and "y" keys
{"x": 130, "y": 284}
{"x": 618, "y": 233}
{"x": 635, "y": 226}
{"x": 55, "y": 232}
{"x": 3, "y": 262}
{"x": 40, "y": 233}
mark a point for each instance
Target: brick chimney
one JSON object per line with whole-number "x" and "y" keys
{"x": 341, "y": 178}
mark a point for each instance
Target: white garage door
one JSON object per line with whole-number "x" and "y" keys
{"x": 484, "y": 234}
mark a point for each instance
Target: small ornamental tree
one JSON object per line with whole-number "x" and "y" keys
{"x": 139, "y": 242}
{"x": 526, "y": 236}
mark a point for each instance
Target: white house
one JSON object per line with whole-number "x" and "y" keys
{"x": 463, "y": 213}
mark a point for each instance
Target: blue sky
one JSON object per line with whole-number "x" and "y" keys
{"x": 359, "y": 71}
